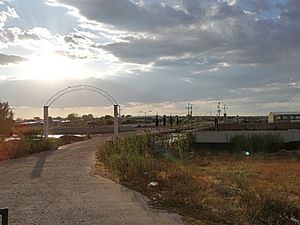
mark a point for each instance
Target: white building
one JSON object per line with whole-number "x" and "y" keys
{"x": 283, "y": 117}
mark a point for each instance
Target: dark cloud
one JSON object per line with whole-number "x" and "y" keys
{"x": 256, "y": 5}
{"x": 202, "y": 28}
{"x": 10, "y": 59}
{"x": 291, "y": 10}
{"x": 127, "y": 15}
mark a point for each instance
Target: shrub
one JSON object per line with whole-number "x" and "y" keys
{"x": 28, "y": 146}
{"x": 240, "y": 179}
{"x": 182, "y": 147}
{"x": 133, "y": 155}
{"x": 7, "y": 149}
{"x": 129, "y": 156}
{"x": 33, "y": 133}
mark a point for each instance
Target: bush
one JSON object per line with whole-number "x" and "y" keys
{"x": 33, "y": 133}
{"x": 182, "y": 147}
{"x": 255, "y": 143}
{"x": 129, "y": 156}
{"x": 133, "y": 155}
{"x": 7, "y": 150}
{"x": 28, "y": 146}
{"x": 240, "y": 179}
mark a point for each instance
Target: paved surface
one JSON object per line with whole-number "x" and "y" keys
{"x": 57, "y": 187}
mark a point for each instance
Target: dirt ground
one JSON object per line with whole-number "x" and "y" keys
{"x": 222, "y": 188}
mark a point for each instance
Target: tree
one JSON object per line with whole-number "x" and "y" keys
{"x": 108, "y": 117}
{"x": 87, "y": 117}
{"x": 72, "y": 116}
{"x": 6, "y": 118}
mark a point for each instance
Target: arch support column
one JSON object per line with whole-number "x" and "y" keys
{"x": 46, "y": 121}
{"x": 116, "y": 121}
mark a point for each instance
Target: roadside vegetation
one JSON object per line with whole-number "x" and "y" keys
{"x": 206, "y": 187}
{"x": 6, "y": 119}
{"x": 30, "y": 142}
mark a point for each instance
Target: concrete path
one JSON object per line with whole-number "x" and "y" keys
{"x": 57, "y": 187}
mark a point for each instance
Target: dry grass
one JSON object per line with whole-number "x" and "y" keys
{"x": 253, "y": 191}
{"x": 219, "y": 189}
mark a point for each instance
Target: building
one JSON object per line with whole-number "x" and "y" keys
{"x": 283, "y": 117}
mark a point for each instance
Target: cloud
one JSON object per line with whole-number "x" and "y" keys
{"x": 245, "y": 53}
{"x": 10, "y": 59}
{"x": 128, "y": 15}
{"x": 167, "y": 96}
{"x": 292, "y": 10}
{"x": 8, "y": 13}
{"x": 194, "y": 28}
{"x": 69, "y": 55}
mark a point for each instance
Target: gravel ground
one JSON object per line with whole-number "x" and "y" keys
{"x": 59, "y": 187}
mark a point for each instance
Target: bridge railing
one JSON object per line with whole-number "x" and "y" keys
{"x": 4, "y": 216}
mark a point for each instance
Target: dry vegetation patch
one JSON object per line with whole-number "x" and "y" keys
{"x": 206, "y": 188}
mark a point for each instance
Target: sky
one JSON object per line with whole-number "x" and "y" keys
{"x": 151, "y": 55}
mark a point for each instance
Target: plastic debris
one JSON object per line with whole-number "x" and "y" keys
{"x": 295, "y": 220}
{"x": 153, "y": 184}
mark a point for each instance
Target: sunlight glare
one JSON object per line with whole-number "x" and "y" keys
{"x": 51, "y": 67}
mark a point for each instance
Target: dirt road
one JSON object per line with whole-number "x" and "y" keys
{"x": 58, "y": 187}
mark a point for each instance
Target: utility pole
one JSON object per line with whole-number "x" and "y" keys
{"x": 225, "y": 108}
{"x": 120, "y": 118}
{"x": 120, "y": 111}
{"x": 219, "y": 109}
{"x": 116, "y": 121}
{"x": 156, "y": 121}
{"x": 145, "y": 118}
{"x": 190, "y": 114}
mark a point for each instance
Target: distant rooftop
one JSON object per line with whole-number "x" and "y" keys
{"x": 285, "y": 113}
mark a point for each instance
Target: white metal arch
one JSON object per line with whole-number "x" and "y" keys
{"x": 79, "y": 88}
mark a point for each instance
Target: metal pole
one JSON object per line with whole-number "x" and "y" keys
{"x": 145, "y": 120}
{"x": 4, "y": 214}
{"x": 116, "y": 121}
{"x": 46, "y": 121}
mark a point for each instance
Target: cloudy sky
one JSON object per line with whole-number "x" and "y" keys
{"x": 151, "y": 55}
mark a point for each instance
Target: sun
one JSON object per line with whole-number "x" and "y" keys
{"x": 51, "y": 66}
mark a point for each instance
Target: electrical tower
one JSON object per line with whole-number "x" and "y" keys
{"x": 189, "y": 109}
{"x": 219, "y": 109}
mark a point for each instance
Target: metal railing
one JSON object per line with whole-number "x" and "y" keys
{"x": 4, "y": 216}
